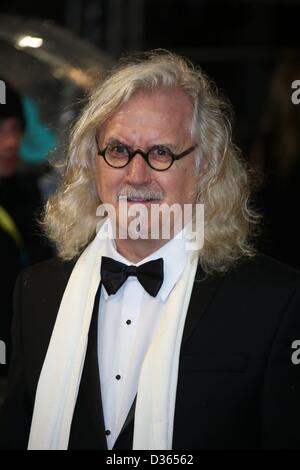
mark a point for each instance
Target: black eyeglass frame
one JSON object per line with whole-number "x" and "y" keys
{"x": 145, "y": 155}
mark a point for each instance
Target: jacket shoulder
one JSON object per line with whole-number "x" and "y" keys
{"x": 262, "y": 283}
{"x": 37, "y": 296}
{"x": 39, "y": 290}
{"x": 267, "y": 270}
{"x": 51, "y": 270}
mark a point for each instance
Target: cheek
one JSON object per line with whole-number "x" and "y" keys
{"x": 173, "y": 188}
{"x": 97, "y": 176}
{"x": 101, "y": 180}
{"x": 108, "y": 182}
{"x": 183, "y": 188}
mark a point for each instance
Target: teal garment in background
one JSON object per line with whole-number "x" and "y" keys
{"x": 38, "y": 139}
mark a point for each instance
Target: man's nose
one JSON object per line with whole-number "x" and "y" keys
{"x": 138, "y": 171}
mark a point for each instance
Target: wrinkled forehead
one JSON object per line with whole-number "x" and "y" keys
{"x": 158, "y": 111}
{"x": 162, "y": 99}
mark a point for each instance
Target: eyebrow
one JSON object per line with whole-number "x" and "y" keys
{"x": 115, "y": 141}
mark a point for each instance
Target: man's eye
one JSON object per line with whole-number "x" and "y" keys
{"x": 160, "y": 152}
{"x": 119, "y": 148}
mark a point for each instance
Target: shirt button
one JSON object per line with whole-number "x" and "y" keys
{"x": 118, "y": 377}
{"x": 128, "y": 322}
{"x": 107, "y": 432}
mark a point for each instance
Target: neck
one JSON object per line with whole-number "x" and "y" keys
{"x": 136, "y": 250}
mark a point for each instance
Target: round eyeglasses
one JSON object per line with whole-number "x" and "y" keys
{"x": 159, "y": 157}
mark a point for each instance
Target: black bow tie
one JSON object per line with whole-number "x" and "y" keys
{"x": 114, "y": 274}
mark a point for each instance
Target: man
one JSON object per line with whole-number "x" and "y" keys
{"x": 138, "y": 341}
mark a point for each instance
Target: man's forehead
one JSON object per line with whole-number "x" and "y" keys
{"x": 163, "y": 96}
{"x": 160, "y": 108}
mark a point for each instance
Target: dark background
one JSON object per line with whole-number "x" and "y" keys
{"x": 237, "y": 43}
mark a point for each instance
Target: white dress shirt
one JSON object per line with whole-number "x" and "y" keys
{"x": 127, "y": 323}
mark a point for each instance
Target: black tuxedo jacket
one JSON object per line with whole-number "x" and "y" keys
{"x": 238, "y": 385}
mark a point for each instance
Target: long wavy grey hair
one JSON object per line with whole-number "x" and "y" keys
{"x": 70, "y": 214}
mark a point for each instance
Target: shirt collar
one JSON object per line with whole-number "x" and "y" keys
{"x": 174, "y": 254}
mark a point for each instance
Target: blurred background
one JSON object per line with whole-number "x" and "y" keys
{"x": 52, "y": 52}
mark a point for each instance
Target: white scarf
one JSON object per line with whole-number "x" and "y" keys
{"x": 61, "y": 372}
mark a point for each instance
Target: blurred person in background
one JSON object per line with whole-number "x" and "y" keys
{"x": 21, "y": 242}
{"x": 20, "y": 194}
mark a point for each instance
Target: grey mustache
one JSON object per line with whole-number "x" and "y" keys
{"x": 141, "y": 193}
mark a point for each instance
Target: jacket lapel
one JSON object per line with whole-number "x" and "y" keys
{"x": 124, "y": 440}
{"x": 88, "y": 430}
{"x": 203, "y": 292}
